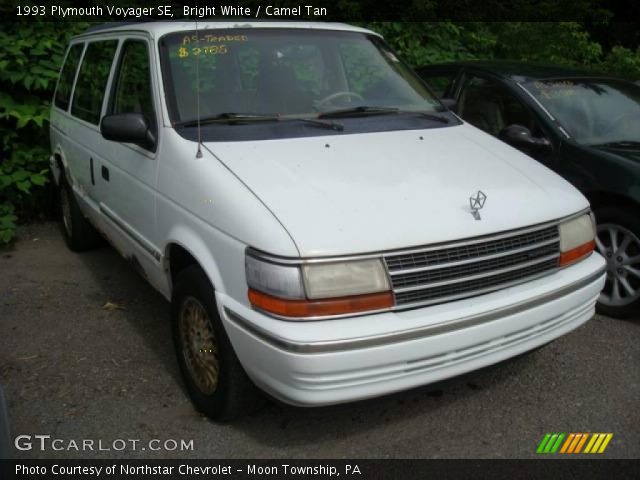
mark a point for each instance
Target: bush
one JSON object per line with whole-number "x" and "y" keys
{"x": 30, "y": 57}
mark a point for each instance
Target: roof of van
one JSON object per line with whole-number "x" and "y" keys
{"x": 160, "y": 28}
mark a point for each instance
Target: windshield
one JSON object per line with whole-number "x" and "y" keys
{"x": 592, "y": 111}
{"x": 249, "y": 76}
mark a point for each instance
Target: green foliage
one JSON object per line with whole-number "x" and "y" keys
{"x": 7, "y": 223}
{"x": 422, "y": 43}
{"x": 30, "y": 58}
{"x": 563, "y": 43}
{"x": 622, "y": 61}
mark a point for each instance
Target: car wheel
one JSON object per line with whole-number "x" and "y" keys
{"x": 78, "y": 233}
{"x": 214, "y": 377}
{"x": 618, "y": 241}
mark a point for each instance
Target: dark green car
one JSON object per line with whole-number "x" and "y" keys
{"x": 585, "y": 127}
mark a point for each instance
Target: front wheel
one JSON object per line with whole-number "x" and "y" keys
{"x": 216, "y": 382}
{"x": 618, "y": 241}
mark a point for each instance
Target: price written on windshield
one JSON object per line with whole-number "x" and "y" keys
{"x": 184, "y": 52}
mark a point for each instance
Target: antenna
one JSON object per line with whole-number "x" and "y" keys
{"x": 199, "y": 152}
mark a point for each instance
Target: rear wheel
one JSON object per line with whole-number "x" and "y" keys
{"x": 215, "y": 380}
{"x": 618, "y": 241}
{"x": 78, "y": 233}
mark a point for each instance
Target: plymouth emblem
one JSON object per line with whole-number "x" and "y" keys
{"x": 476, "y": 203}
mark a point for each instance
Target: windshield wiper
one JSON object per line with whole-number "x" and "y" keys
{"x": 237, "y": 118}
{"x": 319, "y": 123}
{"x": 228, "y": 117}
{"x": 367, "y": 110}
{"x": 621, "y": 143}
{"x": 359, "y": 111}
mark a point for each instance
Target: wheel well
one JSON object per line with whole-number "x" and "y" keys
{"x": 60, "y": 166}
{"x": 179, "y": 259}
{"x": 606, "y": 199}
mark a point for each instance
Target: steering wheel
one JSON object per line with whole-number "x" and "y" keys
{"x": 333, "y": 96}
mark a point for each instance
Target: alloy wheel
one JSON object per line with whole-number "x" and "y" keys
{"x": 199, "y": 346}
{"x": 621, "y": 249}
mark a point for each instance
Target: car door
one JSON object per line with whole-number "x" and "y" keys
{"x": 490, "y": 105}
{"x": 129, "y": 172}
{"x": 82, "y": 147}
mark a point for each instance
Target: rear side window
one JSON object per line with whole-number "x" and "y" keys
{"x": 68, "y": 74}
{"x": 132, "y": 92}
{"x": 92, "y": 80}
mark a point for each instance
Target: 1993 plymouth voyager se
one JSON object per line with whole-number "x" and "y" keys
{"x": 323, "y": 226}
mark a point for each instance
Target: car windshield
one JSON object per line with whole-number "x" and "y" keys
{"x": 255, "y": 76}
{"x": 592, "y": 111}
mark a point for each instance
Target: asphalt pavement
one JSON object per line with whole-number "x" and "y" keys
{"x": 86, "y": 356}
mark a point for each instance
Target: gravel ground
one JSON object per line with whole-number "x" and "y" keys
{"x": 75, "y": 370}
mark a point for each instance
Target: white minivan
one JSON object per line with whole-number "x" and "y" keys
{"x": 324, "y": 228}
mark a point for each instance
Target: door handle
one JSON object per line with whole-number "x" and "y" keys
{"x": 105, "y": 173}
{"x": 93, "y": 180}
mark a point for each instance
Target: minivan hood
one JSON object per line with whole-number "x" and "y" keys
{"x": 349, "y": 194}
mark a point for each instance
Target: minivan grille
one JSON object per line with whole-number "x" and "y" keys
{"x": 472, "y": 267}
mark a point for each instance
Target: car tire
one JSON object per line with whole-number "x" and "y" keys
{"x": 619, "y": 227}
{"x": 215, "y": 380}
{"x": 77, "y": 231}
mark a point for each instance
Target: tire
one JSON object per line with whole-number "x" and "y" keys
{"x": 78, "y": 233}
{"x": 623, "y": 262}
{"x": 217, "y": 384}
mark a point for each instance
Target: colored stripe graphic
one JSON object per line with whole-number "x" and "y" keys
{"x": 598, "y": 442}
{"x": 573, "y": 443}
{"x": 567, "y": 443}
{"x": 581, "y": 443}
{"x": 550, "y": 443}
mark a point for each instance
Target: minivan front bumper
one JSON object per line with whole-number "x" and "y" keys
{"x": 333, "y": 361}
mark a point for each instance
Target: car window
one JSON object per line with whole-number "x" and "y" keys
{"x": 92, "y": 80}
{"x": 285, "y": 72}
{"x": 67, "y": 76}
{"x": 440, "y": 82}
{"x": 490, "y": 106}
{"x": 132, "y": 92}
{"x": 593, "y": 111}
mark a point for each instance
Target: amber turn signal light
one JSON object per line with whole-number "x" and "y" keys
{"x": 578, "y": 253}
{"x": 320, "y": 308}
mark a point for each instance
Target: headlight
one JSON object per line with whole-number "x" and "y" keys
{"x": 317, "y": 289}
{"x": 577, "y": 239}
{"x": 327, "y": 280}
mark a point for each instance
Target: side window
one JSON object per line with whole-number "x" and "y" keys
{"x": 92, "y": 80}
{"x": 440, "y": 82}
{"x": 488, "y": 105}
{"x": 132, "y": 92}
{"x": 67, "y": 76}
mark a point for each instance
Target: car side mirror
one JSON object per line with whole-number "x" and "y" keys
{"x": 519, "y": 136}
{"x": 128, "y": 128}
{"x": 450, "y": 103}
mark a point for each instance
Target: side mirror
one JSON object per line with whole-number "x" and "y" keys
{"x": 128, "y": 128}
{"x": 520, "y": 137}
{"x": 450, "y": 103}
